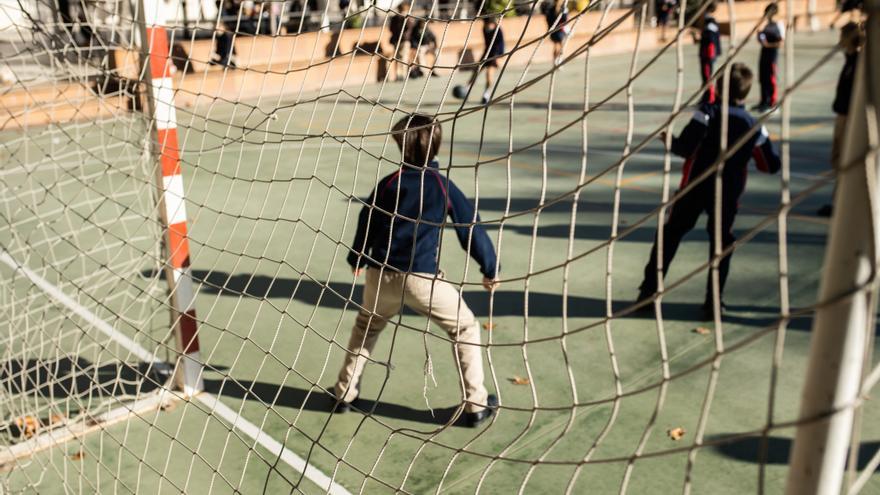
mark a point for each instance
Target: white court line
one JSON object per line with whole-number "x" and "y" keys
{"x": 233, "y": 418}
{"x": 93, "y": 319}
{"x": 272, "y": 445}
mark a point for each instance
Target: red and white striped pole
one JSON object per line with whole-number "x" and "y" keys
{"x": 172, "y": 206}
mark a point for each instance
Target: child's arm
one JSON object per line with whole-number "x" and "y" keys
{"x": 766, "y": 158}
{"x": 360, "y": 246}
{"x": 693, "y": 133}
{"x": 480, "y": 249}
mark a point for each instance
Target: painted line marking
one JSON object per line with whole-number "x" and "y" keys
{"x": 272, "y": 445}
{"x": 91, "y": 318}
{"x": 233, "y": 418}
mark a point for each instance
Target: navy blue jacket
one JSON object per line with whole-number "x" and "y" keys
{"x": 770, "y": 34}
{"x": 400, "y": 240}
{"x": 710, "y": 40}
{"x": 700, "y": 144}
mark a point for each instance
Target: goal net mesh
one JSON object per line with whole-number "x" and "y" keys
{"x": 284, "y": 114}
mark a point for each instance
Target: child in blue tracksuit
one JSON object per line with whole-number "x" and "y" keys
{"x": 710, "y": 50}
{"x": 770, "y": 39}
{"x": 493, "y": 41}
{"x": 700, "y": 144}
{"x": 398, "y": 242}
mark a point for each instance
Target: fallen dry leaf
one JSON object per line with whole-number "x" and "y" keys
{"x": 77, "y": 456}
{"x": 676, "y": 433}
{"x": 519, "y": 380}
{"x": 702, "y": 331}
{"x": 27, "y": 426}
{"x": 489, "y": 326}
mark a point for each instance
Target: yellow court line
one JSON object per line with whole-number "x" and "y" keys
{"x": 637, "y": 178}
{"x": 800, "y": 130}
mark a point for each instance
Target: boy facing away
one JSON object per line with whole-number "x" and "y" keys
{"x": 397, "y": 244}
{"x": 710, "y": 49}
{"x": 700, "y": 145}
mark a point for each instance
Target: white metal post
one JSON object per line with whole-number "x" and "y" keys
{"x": 840, "y": 327}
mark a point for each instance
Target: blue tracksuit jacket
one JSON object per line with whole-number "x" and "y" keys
{"x": 700, "y": 142}
{"x": 404, "y": 228}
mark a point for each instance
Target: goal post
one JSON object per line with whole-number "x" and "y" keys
{"x": 844, "y": 321}
{"x": 164, "y": 149}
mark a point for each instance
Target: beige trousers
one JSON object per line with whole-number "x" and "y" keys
{"x": 436, "y": 299}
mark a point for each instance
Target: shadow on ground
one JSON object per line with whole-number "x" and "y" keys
{"x": 320, "y": 401}
{"x": 79, "y": 378}
{"x": 338, "y": 295}
{"x": 776, "y": 450}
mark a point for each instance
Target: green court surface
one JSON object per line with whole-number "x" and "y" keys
{"x": 273, "y": 190}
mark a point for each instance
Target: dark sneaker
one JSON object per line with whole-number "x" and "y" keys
{"x": 825, "y": 211}
{"x": 709, "y": 311}
{"x": 340, "y": 407}
{"x": 474, "y": 419}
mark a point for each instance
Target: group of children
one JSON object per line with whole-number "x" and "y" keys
{"x": 770, "y": 38}
{"x": 407, "y": 30}
{"x": 400, "y": 225}
{"x": 410, "y": 36}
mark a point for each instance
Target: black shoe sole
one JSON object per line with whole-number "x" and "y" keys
{"x": 472, "y": 420}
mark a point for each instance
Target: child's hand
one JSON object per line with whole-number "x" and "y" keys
{"x": 490, "y": 283}
{"x": 357, "y": 271}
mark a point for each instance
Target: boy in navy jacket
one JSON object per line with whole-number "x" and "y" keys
{"x": 700, "y": 145}
{"x": 397, "y": 241}
{"x": 710, "y": 49}
{"x": 770, "y": 38}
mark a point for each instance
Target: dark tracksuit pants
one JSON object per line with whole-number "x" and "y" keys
{"x": 681, "y": 220}
{"x": 225, "y": 47}
{"x": 767, "y": 75}
{"x": 706, "y": 67}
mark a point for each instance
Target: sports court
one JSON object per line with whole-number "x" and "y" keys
{"x": 568, "y": 178}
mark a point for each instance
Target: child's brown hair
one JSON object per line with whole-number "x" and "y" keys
{"x": 418, "y": 136}
{"x": 740, "y": 82}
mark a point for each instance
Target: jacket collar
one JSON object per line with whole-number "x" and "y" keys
{"x": 432, "y": 164}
